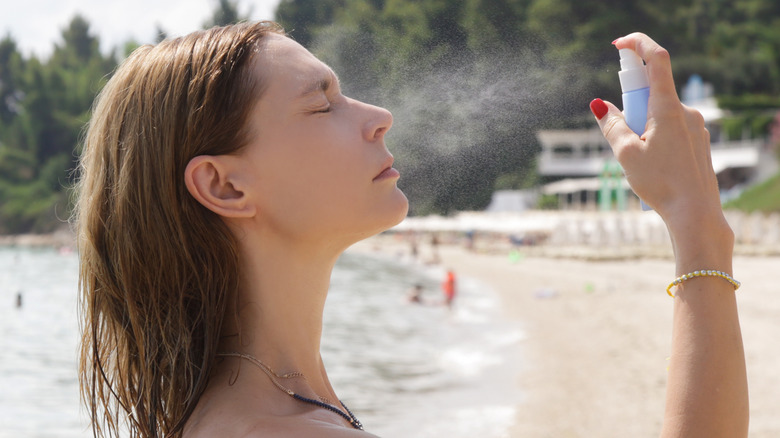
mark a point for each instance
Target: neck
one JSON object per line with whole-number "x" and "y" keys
{"x": 278, "y": 313}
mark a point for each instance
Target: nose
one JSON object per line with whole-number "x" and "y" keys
{"x": 378, "y": 122}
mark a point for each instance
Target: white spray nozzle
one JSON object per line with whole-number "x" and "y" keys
{"x": 629, "y": 60}
{"x": 633, "y": 73}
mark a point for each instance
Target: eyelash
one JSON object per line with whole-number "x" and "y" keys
{"x": 325, "y": 110}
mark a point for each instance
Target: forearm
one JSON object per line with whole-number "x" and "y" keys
{"x": 707, "y": 392}
{"x": 670, "y": 167}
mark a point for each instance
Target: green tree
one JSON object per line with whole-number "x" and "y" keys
{"x": 735, "y": 46}
{"x": 303, "y": 18}
{"x": 11, "y": 72}
{"x": 46, "y": 106}
{"x": 225, "y": 13}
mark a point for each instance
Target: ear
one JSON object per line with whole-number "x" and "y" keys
{"x": 209, "y": 180}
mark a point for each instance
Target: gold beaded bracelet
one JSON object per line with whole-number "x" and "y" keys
{"x": 705, "y": 273}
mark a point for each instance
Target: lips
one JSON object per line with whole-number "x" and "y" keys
{"x": 387, "y": 171}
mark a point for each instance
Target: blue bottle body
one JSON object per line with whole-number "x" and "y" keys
{"x": 635, "y": 112}
{"x": 636, "y": 92}
{"x": 635, "y": 109}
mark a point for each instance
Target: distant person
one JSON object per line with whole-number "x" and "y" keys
{"x": 448, "y": 287}
{"x": 222, "y": 175}
{"x": 19, "y": 300}
{"x": 470, "y": 235}
{"x": 435, "y": 259}
{"x": 415, "y": 294}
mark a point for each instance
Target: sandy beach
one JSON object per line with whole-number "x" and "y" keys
{"x": 599, "y": 332}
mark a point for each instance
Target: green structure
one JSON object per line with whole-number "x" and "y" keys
{"x": 611, "y": 187}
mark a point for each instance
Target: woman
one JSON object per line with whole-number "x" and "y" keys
{"x": 223, "y": 174}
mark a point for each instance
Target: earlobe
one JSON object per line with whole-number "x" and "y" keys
{"x": 209, "y": 181}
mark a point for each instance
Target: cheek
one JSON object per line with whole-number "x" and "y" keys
{"x": 332, "y": 157}
{"x": 336, "y": 185}
{"x": 315, "y": 177}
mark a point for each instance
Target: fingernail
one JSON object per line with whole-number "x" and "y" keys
{"x": 599, "y": 108}
{"x": 616, "y": 40}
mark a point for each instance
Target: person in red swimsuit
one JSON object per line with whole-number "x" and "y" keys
{"x": 448, "y": 287}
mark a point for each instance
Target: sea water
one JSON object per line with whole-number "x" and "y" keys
{"x": 39, "y": 394}
{"x": 405, "y": 370}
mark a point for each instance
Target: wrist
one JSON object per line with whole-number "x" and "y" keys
{"x": 702, "y": 242}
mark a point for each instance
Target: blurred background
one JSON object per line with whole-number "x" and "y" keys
{"x": 471, "y": 84}
{"x": 496, "y": 146}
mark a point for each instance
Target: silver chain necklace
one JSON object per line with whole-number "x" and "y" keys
{"x": 322, "y": 402}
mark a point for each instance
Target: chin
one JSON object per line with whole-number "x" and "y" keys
{"x": 401, "y": 210}
{"x": 391, "y": 215}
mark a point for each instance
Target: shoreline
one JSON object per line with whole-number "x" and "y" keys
{"x": 585, "y": 235}
{"x": 58, "y": 239}
{"x": 598, "y": 333}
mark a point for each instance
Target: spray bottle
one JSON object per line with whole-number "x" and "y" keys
{"x": 636, "y": 92}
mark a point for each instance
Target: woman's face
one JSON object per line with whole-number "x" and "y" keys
{"x": 317, "y": 159}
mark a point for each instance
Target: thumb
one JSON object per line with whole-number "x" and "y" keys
{"x": 613, "y": 125}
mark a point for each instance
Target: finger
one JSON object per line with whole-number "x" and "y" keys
{"x": 699, "y": 136}
{"x": 613, "y": 125}
{"x": 694, "y": 125}
{"x": 710, "y": 166}
{"x": 659, "y": 65}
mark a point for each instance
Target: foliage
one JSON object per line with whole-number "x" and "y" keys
{"x": 734, "y": 45}
{"x": 761, "y": 197}
{"x": 302, "y": 18}
{"x": 748, "y": 124}
{"x": 43, "y": 108}
{"x": 44, "y": 105}
{"x": 747, "y": 102}
{"x": 226, "y": 12}
{"x": 518, "y": 180}
{"x": 548, "y": 202}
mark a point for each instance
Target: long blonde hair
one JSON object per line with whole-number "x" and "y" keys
{"x": 157, "y": 267}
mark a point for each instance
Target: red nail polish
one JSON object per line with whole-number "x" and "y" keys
{"x": 613, "y": 42}
{"x": 599, "y": 108}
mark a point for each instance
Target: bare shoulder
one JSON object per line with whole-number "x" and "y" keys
{"x": 310, "y": 424}
{"x": 303, "y": 428}
{"x": 238, "y": 411}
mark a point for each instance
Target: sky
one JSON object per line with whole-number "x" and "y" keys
{"x": 36, "y": 25}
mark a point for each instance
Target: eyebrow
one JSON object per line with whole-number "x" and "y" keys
{"x": 319, "y": 85}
